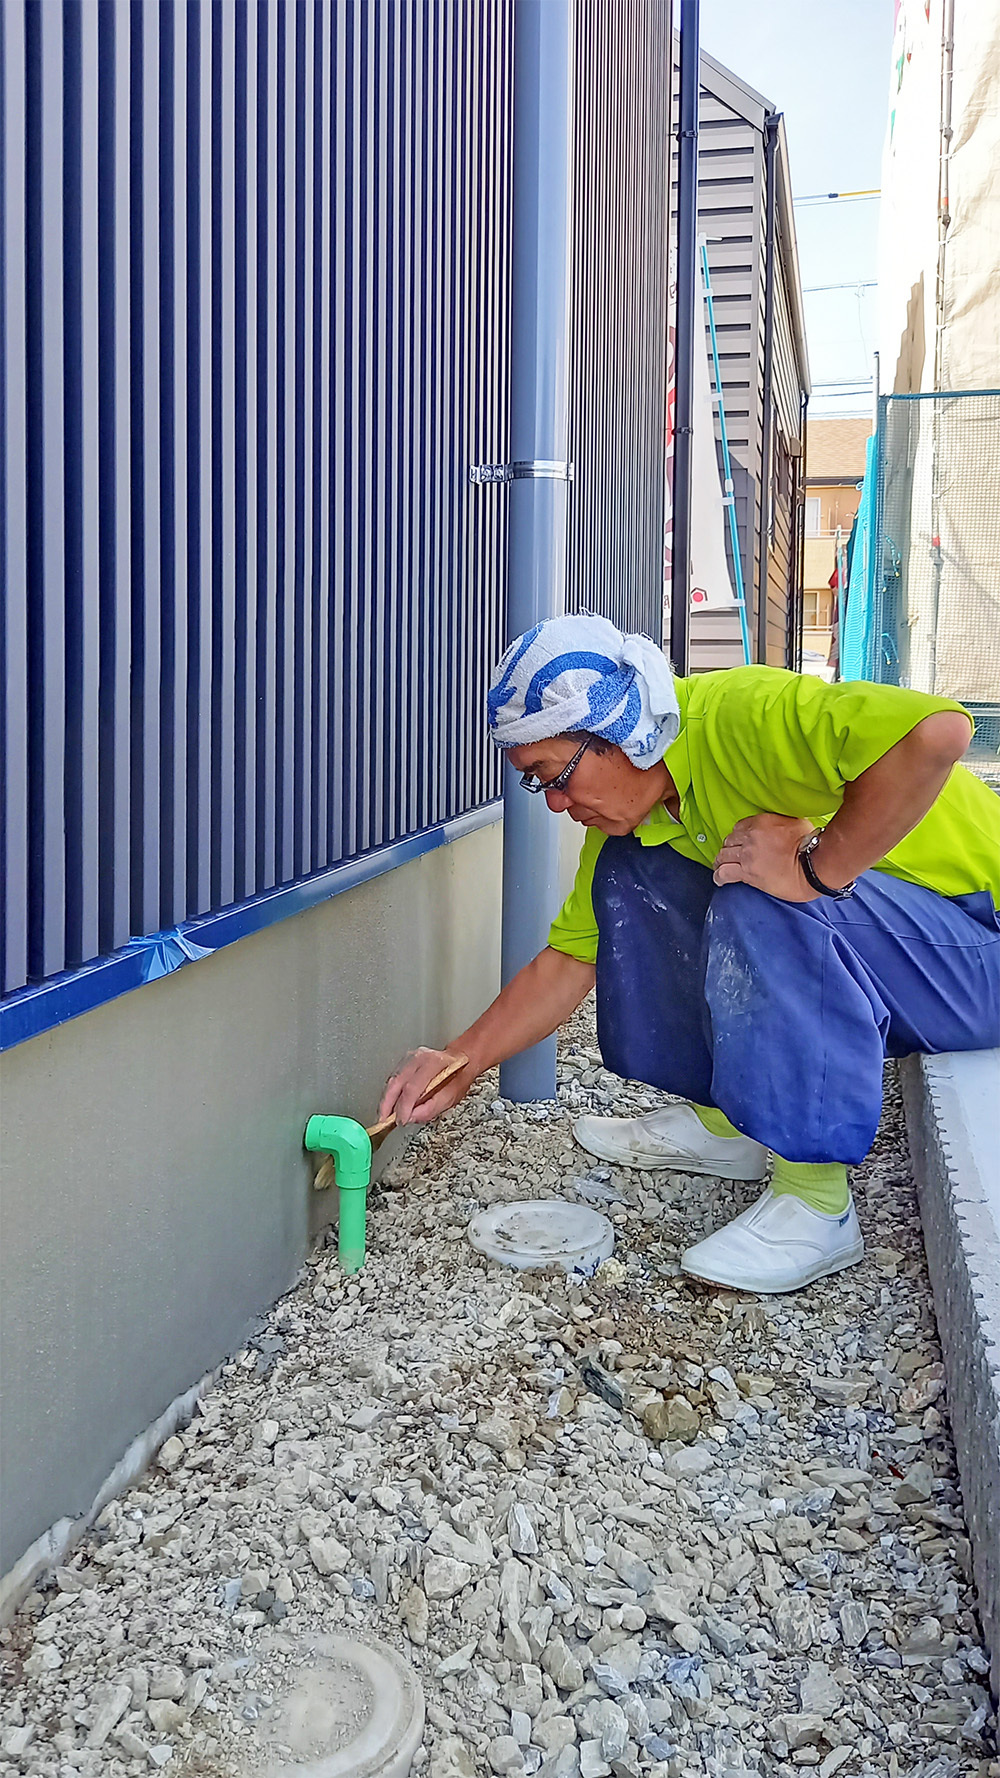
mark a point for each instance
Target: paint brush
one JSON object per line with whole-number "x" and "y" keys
{"x": 378, "y": 1132}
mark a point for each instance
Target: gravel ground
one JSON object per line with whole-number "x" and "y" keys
{"x": 619, "y": 1526}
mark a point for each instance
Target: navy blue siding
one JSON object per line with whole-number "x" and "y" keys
{"x": 254, "y": 271}
{"x": 619, "y": 323}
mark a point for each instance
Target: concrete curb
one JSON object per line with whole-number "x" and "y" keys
{"x": 953, "y": 1119}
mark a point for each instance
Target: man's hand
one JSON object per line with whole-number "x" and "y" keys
{"x": 535, "y": 1003}
{"x": 763, "y": 850}
{"x": 411, "y": 1080}
{"x": 880, "y": 807}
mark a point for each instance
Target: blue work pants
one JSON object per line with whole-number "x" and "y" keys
{"x": 781, "y": 1013}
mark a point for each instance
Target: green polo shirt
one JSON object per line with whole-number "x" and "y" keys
{"x": 758, "y": 740}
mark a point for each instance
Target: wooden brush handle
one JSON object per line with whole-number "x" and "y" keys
{"x": 454, "y": 1067}
{"x": 325, "y": 1173}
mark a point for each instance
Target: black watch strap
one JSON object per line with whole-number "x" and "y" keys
{"x": 805, "y": 859}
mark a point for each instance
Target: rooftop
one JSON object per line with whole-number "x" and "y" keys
{"x": 836, "y": 447}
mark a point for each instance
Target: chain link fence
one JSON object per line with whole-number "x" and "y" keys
{"x": 934, "y": 559}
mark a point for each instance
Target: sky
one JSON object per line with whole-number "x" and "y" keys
{"x": 826, "y": 65}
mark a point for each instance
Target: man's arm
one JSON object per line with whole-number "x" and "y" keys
{"x": 534, "y": 1003}
{"x": 880, "y": 807}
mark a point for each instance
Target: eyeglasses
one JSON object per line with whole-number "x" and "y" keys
{"x": 530, "y": 783}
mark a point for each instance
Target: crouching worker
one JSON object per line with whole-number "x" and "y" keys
{"x": 782, "y": 883}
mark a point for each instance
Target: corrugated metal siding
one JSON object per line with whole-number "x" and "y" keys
{"x": 254, "y": 305}
{"x": 254, "y": 330}
{"x": 730, "y": 171}
{"x": 619, "y": 318}
{"x": 781, "y": 551}
{"x": 732, "y": 175}
{"x": 786, "y": 393}
{"x": 730, "y": 217}
{"x": 786, "y": 399}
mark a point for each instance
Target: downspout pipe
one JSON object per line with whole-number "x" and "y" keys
{"x": 800, "y": 537}
{"x": 771, "y": 123}
{"x": 539, "y": 438}
{"x": 688, "y": 324}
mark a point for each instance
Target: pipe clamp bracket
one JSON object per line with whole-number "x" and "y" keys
{"x": 539, "y": 468}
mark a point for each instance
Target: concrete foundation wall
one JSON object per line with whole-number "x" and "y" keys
{"x": 951, "y": 1118}
{"x": 154, "y": 1195}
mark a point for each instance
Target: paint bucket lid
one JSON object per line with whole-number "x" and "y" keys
{"x": 543, "y": 1232}
{"x": 339, "y": 1709}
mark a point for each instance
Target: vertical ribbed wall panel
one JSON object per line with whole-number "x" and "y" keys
{"x": 174, "y": 396}
{"x": 200, "y": 825}
{"x": 262, "y": 330}
{"x": 254, "y": 313}
{"x": 253, "y": 331}
{"x": 618, "y": 378}
{"x": 83, "y": 635}
{"x": 13, "y": 510}
{"x": 45, "y": 462}
{"x": 149, "y": 596}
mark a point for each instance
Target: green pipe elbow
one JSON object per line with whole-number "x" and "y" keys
{"x": 350, "y": 1145}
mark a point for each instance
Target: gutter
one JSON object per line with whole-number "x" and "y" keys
{"x": 764, "y": 496}
{"x": 800, "y": 542}
{"x": 779, "y": 220}
{"x": 790, "y": 257}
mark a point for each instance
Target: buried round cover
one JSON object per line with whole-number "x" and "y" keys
{"x": 339, "y": 1709}
{"x": 543, "y": 1232}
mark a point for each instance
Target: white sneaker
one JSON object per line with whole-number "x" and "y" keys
{"x": 674, "y": 1137}
{"x": 778, "y": 1244}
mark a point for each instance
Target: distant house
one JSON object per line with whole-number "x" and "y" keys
{"x": 745, "y": 216}
{"x": 835, "y": 465}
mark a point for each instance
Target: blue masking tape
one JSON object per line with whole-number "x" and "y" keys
{"x": 167, "y": 951}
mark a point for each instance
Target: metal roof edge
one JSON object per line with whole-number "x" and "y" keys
{"x": 789, "y": 259}
{"x": 725, "y": 77}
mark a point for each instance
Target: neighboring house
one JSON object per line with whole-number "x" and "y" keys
{"x": 835, "y": 467}
{"x": 255, "y": 332}
{"x": 939, "y": 217}
{"x": 745, "y": 215}
{"x": 934, "y": 589}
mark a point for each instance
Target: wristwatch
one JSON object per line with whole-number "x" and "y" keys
{"x": 806, "y": 850}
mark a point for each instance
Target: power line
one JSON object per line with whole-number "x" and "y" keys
{"x": 840, "y": 197}
{"x": 856, "y": 284}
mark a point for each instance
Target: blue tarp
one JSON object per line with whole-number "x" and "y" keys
{"x": 860, "y": 650}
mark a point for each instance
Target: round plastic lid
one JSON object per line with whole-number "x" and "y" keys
{"x": 343, "y": 1709}
{"x": 543, "y": 1232}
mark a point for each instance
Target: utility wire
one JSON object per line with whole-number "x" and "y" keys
{"x": 830, "y": 197}
{"x": 856, "y": 284}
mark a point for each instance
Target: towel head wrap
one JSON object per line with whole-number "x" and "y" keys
{"x": 581, "y": 673}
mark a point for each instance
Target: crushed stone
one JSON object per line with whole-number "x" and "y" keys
{"x": 620, "y": 1525}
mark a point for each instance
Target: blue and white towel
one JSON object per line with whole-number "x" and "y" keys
{"x": 581, "y": 673}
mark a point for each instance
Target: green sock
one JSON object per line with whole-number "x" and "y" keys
{"x": 822, "y": 1186}
{"x": 715, "y": 1122}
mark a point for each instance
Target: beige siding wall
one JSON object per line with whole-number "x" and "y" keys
{"x": 154, "y": 1192}
{"x": 731, "y": 217}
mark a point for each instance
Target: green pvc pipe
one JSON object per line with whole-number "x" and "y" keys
{"x": 350, "y": 1145}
